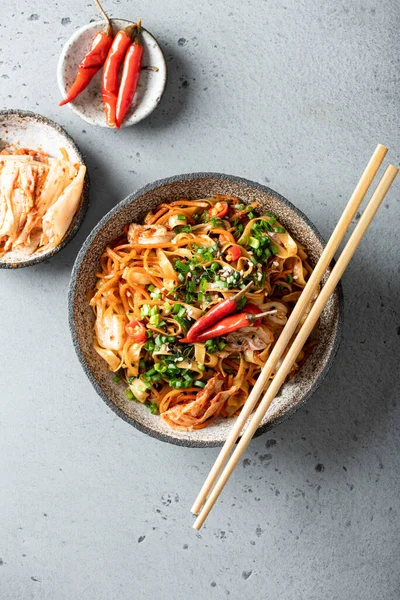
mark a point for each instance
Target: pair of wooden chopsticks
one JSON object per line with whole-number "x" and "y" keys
{"x": 290, "y": 327}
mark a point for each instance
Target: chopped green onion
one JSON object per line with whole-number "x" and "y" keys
{"x": 279, "y": 230}
{"x": 203, "y": 285}
{"x": 129, "y": 394}
{"x": 211, "y": 345}
{"x": 274, "y": 249}
{"x": 149, "y": 346}
{"x": 181, "y": 217}
{"x": 181, "y": 266}
{"x": 254, "y": 242}
{"x": 167, "y": 306}
{"x": 271, "y": 221}
{"x": 116, "y": 379}
{"x": 155, "y": 320}
{"x": 199, "y": 383}
{"x": 145, "y": 310}
{"x": 242, "y": 302}
{"x": 289, "y": 277}
{"x": 151, "y": 288}
{"x": 181, "y": 277}
{"x": 201, "y": 367}
{"x": 223, "y": 285}
{"x": 254, "y": 260}
{"x": 251, "y": 215}
{"x": 153, "y": 407}
{"x": 176, "y": 308}
{"x": 221, "y": 345}
{"x": 182, "y": 311}
{"x": 238, "y": 206}
{"x": 154, "y": 310}
{"x": 191, "y": 286}
{"x": 183, "y": 322}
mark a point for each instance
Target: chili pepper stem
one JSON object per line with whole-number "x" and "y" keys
{"x": 105, "y": 17}
{"x": 131, "y": 29}
{"x": 252, "y": 318}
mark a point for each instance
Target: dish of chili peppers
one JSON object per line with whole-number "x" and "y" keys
{"x": 112, "y": 75}
{"x": 189, "y": 304}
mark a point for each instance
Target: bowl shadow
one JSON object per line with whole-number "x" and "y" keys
{"x": 177, "y": 95}
{"x": 353, "y": 409}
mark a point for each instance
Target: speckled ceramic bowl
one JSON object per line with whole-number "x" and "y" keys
{"x": 88, "y": 105}
{"x": 25, "y": 129}
{"x": 197, "y": 185}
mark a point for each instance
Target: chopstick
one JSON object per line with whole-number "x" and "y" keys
{"x": 299, "y": 308}
{"x": 302, "y": 336}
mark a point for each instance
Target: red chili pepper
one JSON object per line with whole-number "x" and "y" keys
{"x": 253, "y": 310}
{"x": 136, "y": 330}
{"x": 111, "y": 69}
{"x": 92, "y": 62}
{"x": 130, "y": 76}
{"x": 216, "y": 313}
{"x": 219, "y": 210}
{"x": 233, "y": 253}
{"x": 228, "y": 325}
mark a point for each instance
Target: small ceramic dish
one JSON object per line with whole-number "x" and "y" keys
{"x": 25, "y": 129}
{"x": 88, "y": 105}
{"x": 133, "y": 209}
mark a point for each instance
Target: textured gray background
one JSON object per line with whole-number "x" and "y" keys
{"x": 294, "y": 94}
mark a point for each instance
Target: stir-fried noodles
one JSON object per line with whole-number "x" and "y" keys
{"x": 160, "y": 278}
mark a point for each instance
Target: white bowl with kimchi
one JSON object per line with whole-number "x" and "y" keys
{"x": 43, "y": 188}
{"x": 172, "y": 257}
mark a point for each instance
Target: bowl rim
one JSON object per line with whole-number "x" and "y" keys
{"x": 62, "y": 58}
{"x": 71, "y": 297}
{"x": 81, "y": 212}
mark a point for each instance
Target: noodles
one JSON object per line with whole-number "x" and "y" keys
{"x": 159, "y": 279}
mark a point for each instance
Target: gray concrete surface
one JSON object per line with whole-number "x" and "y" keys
{"x": 295, "y": 94}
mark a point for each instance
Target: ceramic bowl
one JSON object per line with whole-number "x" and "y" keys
{"x": 88, "y": 105}
{"x": 133, "y": 209}
{"x": 25, "y": 129}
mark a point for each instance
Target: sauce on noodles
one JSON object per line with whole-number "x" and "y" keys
{"x": 159, "y": 278}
